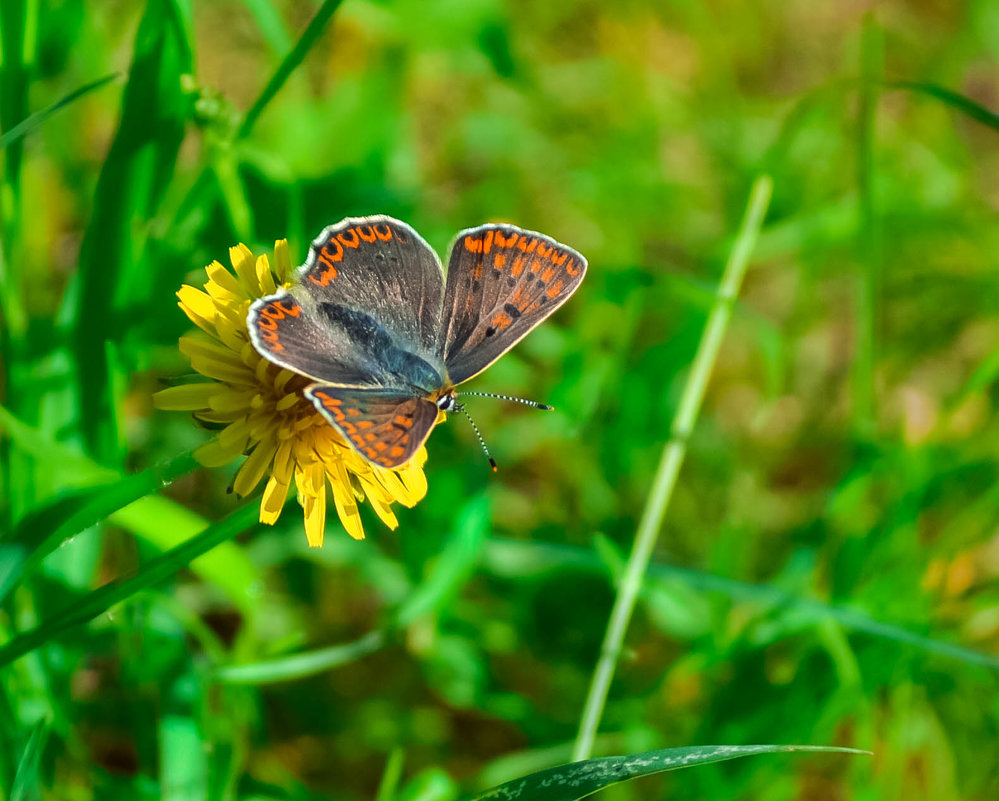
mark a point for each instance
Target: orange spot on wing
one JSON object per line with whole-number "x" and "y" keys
{"x": 473, "y": 244}
{"x": 535, "y": 266}
{"x": 544, "y": 250}
{"x": 505, "y": 241}
{"x": 548, "y": 274}
{"x": 501, "y": 320}
{"x": 554, "y": 289}
{"x": 366, "y": 232}
{"x": 560, "y": 258}
{"x": 487, "y": 241}
{"x": 365, "y": 424}
{"x": 385, "y": 237}
{"x": 403, "y": 421}
{"x": 518, "y": 266}
{"x": 396, "y": 452}
{"x": 498, "y": 261}
{"x": 572, "y": 268}
{"x": 380, "y": 446}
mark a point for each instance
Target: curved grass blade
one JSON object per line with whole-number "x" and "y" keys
{"x": 45, "y": 529}
{"x": 580, "y": 779}
{"x": 26, "y": 782}
{"x": 26, "y": 126}
{"x": 103, "y": 598}
{"x": 453, "y": 568}
{"x": 956, "y": 101}
{"x": 130, "y": 501}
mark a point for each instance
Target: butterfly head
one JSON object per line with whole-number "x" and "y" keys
{"x": 447, "y": 400}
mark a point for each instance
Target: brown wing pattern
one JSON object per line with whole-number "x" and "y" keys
{"x": 382, "y": 267}
{"x": 501, "y": 282}
{"x": 386, "y": 429}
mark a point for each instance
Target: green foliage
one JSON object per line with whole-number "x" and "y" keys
{"x": 825, "y": 570}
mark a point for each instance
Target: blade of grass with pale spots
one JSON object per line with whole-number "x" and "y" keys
{"x": 580, "y": 779}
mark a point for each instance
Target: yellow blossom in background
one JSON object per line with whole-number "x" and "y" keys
{"x": 267, "y": 417}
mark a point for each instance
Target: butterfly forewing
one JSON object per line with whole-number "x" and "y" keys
{"x": 385, "y": 428}
{"x": 287, "y": 332}
{"x": 501, "y": 282}
{"x": 383, "y": 268}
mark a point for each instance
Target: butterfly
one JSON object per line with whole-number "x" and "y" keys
{"x": 386, "y": 340}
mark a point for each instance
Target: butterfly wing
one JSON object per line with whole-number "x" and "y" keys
{"x": 382, "y": 267}
{"x": 501, "y": 282}
{"x": 288, "y": 332}
{"x": 385, "y": 427}
{"x": 365, "y": 311}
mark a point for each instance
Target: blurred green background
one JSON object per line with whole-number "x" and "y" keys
{"x": 828, "y": 568}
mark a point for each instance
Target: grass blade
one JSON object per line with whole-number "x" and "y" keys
{"x": 25, "y": 127}
{"x": 45, "y": 529}
{"x": 669, "y": 465}
{"x": 27, "y": 784}
{"x": 580, "y": 779}
{"x": 133, "y": 179}
{"x": 290, "y": 63}
{"x": 151, "y": 574}
{"x": 950, "y": 98}
{"x": 270, "y": 24}
{"x": 868, "y": 235}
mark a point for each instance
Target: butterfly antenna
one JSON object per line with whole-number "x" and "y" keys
{"x": 460, "y": 407}
{"x": 531, "y": 403}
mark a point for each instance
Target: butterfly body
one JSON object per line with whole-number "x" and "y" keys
{"x": 386, "y": 338}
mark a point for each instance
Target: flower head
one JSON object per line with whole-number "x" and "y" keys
{"x": 265, "y": 414}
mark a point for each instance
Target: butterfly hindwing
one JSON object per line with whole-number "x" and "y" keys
{"x": 385, "y": 428}
{"x": 381, "y": 267}
{"x": 501, "y": 282}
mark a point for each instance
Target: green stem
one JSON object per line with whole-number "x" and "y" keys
{"x": 669, "y": 466}
{"x": 289, "y": 65}
{"x": 868, "y": 238}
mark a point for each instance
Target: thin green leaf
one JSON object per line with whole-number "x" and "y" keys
{"x": 956, "y": 101}
{"x": 580, "y": 779}
{"x": 299, "y": 666}
{"x": 27, "y": 784}
{"x": 151, "y": 574}
{"x": 25, "y": 127}
{"x": 290, "y": 63}
{"x": 270, "y": 23}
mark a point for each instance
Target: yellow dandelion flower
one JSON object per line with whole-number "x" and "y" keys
{"x": 265, "y": 413}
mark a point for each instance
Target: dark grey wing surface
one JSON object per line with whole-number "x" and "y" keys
{"x": 381, "y": 267}
{"x": 501, "y": 282}
{"x": 287, "y": 332}
{"x": 386, "y": 428}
